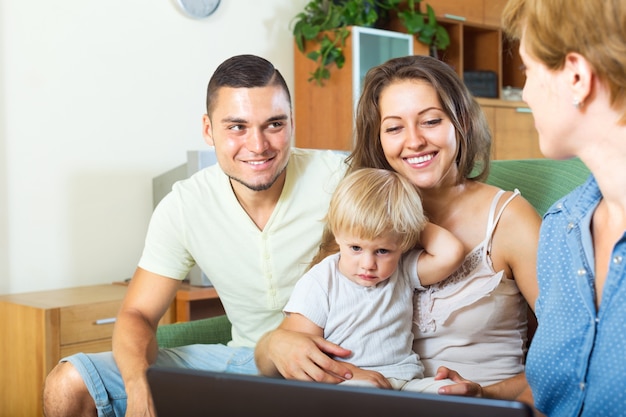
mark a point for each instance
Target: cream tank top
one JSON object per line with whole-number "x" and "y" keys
{"x": 474, "y": 322}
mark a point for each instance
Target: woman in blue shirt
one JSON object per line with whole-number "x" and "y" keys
{"x": 574, "y": 53}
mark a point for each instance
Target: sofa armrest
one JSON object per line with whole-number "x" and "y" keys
{"x": 214, "y": 330}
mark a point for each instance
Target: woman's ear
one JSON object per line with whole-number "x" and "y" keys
{"x": 207, "y": 130}
{"x": 580, "y": 77}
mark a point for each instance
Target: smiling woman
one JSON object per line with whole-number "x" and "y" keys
{"x": 417, "y": 118}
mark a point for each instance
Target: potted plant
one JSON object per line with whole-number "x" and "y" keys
{"x": 326, "y": 23}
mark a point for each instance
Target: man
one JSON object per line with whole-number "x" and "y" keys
{"x": 252, "y": 223}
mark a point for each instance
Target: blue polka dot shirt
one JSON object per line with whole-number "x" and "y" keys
{"x": 576, "y": 364}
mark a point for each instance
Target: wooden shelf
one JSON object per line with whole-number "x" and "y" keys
{"x": 193, "y": 303}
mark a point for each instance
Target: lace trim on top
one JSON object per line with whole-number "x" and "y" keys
{"x": 473, "y": 280}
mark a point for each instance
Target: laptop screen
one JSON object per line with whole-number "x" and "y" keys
{"x": 189, "y": 393}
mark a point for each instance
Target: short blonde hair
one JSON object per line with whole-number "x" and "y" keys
{"x": 370, "y": 203}
{"x": 594, "y": 29}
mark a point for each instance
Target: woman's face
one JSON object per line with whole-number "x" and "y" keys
{"x": 416, "y": 135}
{"x": 546, "y": 93}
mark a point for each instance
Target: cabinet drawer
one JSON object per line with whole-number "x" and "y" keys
{"x": 102, "y": 345}
{"x": 86, "y": 322}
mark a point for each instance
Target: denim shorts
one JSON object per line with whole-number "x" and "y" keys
{"x": 104, "y": 382}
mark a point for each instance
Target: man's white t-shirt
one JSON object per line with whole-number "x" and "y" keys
{"x": 253, "y": 270}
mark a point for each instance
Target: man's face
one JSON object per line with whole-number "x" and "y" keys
{"x": 251, "y": 130}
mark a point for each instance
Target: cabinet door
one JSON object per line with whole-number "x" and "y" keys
{"x": 515, "y": 136}
{"x": 490, "y": 115}
{"x": 323, "y": 114}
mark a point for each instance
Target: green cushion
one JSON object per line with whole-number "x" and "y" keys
{"x": 214, "y": 330}
{"x": 541, "y": 181}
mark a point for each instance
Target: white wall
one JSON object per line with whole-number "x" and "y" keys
{"x": 97, "y": 98}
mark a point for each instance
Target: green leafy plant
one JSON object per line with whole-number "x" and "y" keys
{"x": 424, "y": 26}
{"x": 326, "y": 22}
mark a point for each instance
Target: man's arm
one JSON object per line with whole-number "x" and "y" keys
{"x": 134, "y": 336}
{"x": 312, "y": 370}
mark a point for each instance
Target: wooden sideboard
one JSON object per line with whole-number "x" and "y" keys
{"x": 37, "y": 329}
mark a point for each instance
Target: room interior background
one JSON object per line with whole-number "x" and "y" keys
{"x": 96, "y": 99}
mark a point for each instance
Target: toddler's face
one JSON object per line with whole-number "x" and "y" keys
{"x": 368, "y": 262}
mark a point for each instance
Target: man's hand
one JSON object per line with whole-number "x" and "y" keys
{"x": 463, "y": 387}
{"x": 302, "y": 356}
{"x": 139, "y": 400}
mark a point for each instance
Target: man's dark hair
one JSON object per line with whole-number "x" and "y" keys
{"x": 244, "y": 71}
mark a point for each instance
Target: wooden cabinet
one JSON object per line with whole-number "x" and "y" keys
{"x": 492, "y": 11}
{"x": 323, "y": 114}
{"x": 513, "y": 129}
{"x": 37, "y": 329}
{"x": 476, "y": 39}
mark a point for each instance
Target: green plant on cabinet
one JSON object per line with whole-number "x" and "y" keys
{"x": 326, "y": 23}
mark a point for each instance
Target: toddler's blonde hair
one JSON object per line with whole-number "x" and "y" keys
{"x": 370, "y": 203}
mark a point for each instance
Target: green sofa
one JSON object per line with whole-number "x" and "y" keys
{"x": 541, "y": 182}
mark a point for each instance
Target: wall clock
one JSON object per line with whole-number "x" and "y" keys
{"x": 198, "y": 9}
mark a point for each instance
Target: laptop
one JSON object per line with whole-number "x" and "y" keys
{"x": 191, "y": 393}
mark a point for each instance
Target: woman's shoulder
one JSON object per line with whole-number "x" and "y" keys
{"x": 516, "y": 205}
{"x": 516, "y": 220}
